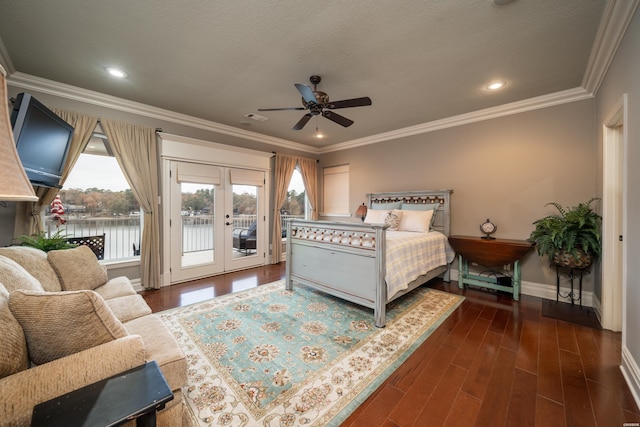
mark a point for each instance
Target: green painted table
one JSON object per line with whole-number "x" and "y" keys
{"x": 490, "y": 253}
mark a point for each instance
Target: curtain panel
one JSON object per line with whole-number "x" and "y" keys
{"x": 136, "y": 149}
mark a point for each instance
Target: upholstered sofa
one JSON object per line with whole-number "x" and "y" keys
{"x": 64, "y": 326}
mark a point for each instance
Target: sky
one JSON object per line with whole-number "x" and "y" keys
{"x": 104, "y": 172}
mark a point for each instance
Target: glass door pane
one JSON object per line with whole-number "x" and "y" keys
{"x": 197, "y": 219}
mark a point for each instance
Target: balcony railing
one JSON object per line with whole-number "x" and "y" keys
{"x": 122, "y": 233}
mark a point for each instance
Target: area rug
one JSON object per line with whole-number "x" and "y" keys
{"x": 272, "y": 357}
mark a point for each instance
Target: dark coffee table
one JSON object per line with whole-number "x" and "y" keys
{"x": 134, "y": 394}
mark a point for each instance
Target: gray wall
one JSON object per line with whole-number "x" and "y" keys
{"x": 505, "y": 169}
{"x": 622, "y": 77}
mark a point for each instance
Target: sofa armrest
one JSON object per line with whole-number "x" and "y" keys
{"x": 20, "y": 392}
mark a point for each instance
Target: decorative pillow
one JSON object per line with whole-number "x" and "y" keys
{"x": 13, "y": 276}
{"x": 422, "y": 207}
{"x": 57, "y": 324}
{"x": 415, "y": 221}
{"x": 386, "y": 206}
{"x": 78, "y": 268}
{"x": 35, "y": 262}
{"x": 393, "y": 219}
{"x": 376, "y": 216}
{"x": 13, "y": 347}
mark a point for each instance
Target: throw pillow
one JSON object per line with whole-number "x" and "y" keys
{"x": 35, "y": 262}
{"x": 13, "y": 347}
{"x": 13, "y": 276}
{"x": 393, "y": 219}
{"x": 376, "y": 216}
{"x": 78, "y": 268}
{"x": 57, "y": 324}
{"x": 422, "y": 207}
{"x": 419, "y": 221}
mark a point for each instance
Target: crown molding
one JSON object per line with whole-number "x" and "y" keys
{"x": 544, "y": 101}
{"x": 615, "y": 20}
{"x": 29, "y": 82}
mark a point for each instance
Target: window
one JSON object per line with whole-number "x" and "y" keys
{"x": 97, "y": 200}
{"x": 335, "y": 193}
{"x": 296, "y": 204}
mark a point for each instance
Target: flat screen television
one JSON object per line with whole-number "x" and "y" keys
{"x": 42, "y": 140}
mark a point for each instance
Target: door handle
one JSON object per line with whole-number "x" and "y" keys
{"x": 227, "y": 223}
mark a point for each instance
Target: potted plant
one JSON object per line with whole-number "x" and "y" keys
{"x": 44, "y": 243}
{"x": 571, "y": 237}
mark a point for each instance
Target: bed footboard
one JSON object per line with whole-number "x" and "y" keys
{"x": 342, "y": 259}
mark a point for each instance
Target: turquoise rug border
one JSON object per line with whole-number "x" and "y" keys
{"x": 364, "y": 394}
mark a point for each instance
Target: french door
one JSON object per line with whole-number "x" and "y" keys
{"x": 216, "y": 221}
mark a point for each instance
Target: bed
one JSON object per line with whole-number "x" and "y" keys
{"x": 359, "y": 262}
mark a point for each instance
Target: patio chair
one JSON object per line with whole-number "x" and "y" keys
{"x": 96, "y": 243}
{"x": 244, "y": 239}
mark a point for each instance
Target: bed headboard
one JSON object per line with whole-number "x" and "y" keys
{"x": 442, "y": 197}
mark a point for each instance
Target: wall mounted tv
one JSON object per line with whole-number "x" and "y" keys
{"x": 42, "y": 140}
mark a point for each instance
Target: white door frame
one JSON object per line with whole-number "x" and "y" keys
{"x": 614, "y": 188}
{"x": 181, "y": 148}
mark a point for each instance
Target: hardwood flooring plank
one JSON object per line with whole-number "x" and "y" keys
{"x": 549, "y": 413}
{"x": 513, "y": 331}
{"x": 437, "y": 408}
{"x": 527, "y": 353}
{"x": 470, "y": 346}
{"x": 500, "y": 320}
{"x": 479, "y": 375}
{"x": 378, "y": 408}
{"x": 464, "y": 411}
{"x": 578, "y": 409}
{"x": 522, "y": 405}
{"x": 495, "y": 404}
{"x": 606, "y": 407}
{"x": 566, "y": 337}
{"x": 549, "y": 373}
{"x": 407, "y": 409}
{"x": 460, "y": 331}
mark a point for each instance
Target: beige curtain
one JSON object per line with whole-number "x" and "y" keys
{"x": 284, "y": 167}
{"x": 136, "y": 149}
{"x": 309, "y": 172}
{"x": 28, "y": 220}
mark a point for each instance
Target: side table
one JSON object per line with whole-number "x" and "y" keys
{"x": 489, "y": 253}
{"x": 134, "y": 394}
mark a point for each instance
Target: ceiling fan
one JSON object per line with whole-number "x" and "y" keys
{"x": 317, "y": 102}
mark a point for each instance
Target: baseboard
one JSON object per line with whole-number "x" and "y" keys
{"x": 631, "y": 373}
{"x": 137, "y": 285}
{"x": 597, "y": 308}
{"x": 544, "y": 291}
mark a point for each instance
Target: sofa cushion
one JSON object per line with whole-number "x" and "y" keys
{"x": 117, "y": 287}
{"x": 128, "y": 307}
{"x": 77, "y": 268}
{"x": 13, "y": 276}
{"x": 35, "y": 262}
{"x": 13, "y": 347}
{"x": 57, "y": 324}
{"x": 160, "y": 345}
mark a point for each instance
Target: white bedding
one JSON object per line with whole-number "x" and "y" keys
{"x": 411, "y": 254}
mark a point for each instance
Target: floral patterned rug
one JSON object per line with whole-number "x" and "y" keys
{"x": 271, "y": 357}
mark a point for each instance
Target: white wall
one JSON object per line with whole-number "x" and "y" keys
{"x": 622, "y": 77}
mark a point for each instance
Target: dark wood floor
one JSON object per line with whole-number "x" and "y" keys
{"x": 493, "y": 362}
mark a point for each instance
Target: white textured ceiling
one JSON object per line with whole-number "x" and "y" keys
{"x": 418, "y": 61}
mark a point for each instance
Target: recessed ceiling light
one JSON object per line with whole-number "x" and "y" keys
{"x": 496, "y": 85}
{"x": 115, "y": 72}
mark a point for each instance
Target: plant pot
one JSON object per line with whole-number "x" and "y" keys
{"x": 566, "y": 259}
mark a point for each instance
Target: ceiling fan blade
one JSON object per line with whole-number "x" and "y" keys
{"x": 335, "y": 117}
{"x": 347, "y": 103}
{"x": 307, "y": 93}
{"x": 303, "y": 121}
{"x": 281, "y": 109}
